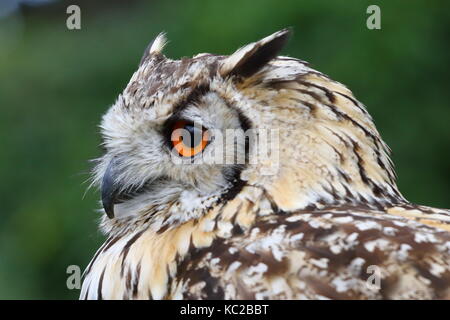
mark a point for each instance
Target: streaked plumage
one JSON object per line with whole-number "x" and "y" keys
{"x": 310, "y": 231}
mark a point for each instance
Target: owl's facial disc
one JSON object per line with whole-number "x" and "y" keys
{"x": 187, "y": 156}
{"x": 188, "y": 140}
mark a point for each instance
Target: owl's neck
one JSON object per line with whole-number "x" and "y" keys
{"x": 330, "y": 152}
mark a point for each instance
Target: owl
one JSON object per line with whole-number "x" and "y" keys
{"x": 254, "y": 176}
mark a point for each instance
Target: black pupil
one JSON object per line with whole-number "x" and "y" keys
{"x": 195, "y": 136}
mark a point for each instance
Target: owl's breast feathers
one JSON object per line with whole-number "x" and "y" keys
{"x": 249, "y": 249}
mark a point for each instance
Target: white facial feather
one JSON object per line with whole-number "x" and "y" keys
{"x": 138, "y": 145}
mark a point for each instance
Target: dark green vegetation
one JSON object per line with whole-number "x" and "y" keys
{"x": 55, "y": 84}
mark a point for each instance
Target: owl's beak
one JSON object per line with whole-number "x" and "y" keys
{"x": 110, "y": 190}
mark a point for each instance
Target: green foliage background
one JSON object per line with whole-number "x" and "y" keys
{"x": 55, "y": 84}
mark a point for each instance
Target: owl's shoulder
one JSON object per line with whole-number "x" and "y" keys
{"x": 336, "y": 252}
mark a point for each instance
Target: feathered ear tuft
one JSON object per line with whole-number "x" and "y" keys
{"x": 249, "y": 59}
{"x": 155, "y": 47}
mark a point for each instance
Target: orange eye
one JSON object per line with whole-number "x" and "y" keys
{"x": 188, "y": 139}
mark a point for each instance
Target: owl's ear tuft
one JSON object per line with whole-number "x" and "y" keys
{"x": 155, "y": 47}
{"x": 249, "y": 59}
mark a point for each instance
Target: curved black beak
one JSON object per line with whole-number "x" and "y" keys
{"x": 110, "y": 190}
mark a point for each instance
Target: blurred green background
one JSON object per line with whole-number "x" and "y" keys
{"x": 56, "y": 83}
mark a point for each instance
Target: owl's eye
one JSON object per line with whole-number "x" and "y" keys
{"x": 188, "y": 139}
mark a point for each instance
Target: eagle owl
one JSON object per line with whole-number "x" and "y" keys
{"x": 322, "y": 219}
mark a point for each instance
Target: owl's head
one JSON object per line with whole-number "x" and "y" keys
{"x": 186, "y": 134}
